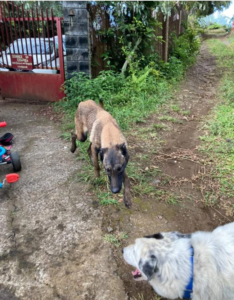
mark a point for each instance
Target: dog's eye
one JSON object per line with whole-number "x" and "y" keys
{"x": 118, "y": 169}
{"x": 108, "y": 170}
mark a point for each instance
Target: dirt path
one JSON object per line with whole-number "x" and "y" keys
{"x": 51, "y": 239}
{"x": 180, "y": 202}
{"x": 51, "y": 244}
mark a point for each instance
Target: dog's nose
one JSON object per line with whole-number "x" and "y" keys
{"x": 115, "y": 190}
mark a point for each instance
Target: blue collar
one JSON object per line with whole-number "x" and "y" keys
{"x": 189, "y": 287}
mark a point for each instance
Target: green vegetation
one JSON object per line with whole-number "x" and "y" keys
{"x": 106, "y": 199}
{"x": 133, "y": 98}
{"x": 130, "y": 100}
{"x": 218, "y": 140}
{"x": 141, "y": 297}
{"x": 169, "y": 118}
{"x": 116, "y": 239}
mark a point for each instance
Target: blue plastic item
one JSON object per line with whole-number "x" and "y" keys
{"x": 2, "y": 151}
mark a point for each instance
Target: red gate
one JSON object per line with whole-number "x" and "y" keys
{"x": 31, "y": 54}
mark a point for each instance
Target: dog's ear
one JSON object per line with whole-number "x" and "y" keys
{"x": 157, "y": 236}
{"x": 149, "y": 267}
{"x": 182, "y": 235}
{"x": 123, "y": 149}
{"x": 102, "y": 152}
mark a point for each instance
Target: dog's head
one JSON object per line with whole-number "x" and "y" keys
{"x": 151, "y": 254}
{"x": 115, "y": 160}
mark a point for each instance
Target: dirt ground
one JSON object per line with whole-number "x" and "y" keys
{"x": 51, "y": 239}
{"x": 183, "y": 173}
{"x": 51, "y": 244}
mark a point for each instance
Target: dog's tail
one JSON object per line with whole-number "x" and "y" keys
{"x": 101, "y": 104}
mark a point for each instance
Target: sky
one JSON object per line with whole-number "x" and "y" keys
{"x": 227, "y": 12}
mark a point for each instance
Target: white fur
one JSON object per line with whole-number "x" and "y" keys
{"x": 213, "y": 263}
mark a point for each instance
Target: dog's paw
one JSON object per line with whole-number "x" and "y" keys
{"x": 127, "y": 200}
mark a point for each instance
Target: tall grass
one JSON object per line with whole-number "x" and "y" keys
{"x": 219, "y": 140}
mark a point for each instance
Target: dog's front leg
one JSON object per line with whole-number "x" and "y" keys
{"x": 127, "y": 194}
{"x": 95, "y": 161}
{"x": 89, "y": 151}
{"x": 73, "y": 140}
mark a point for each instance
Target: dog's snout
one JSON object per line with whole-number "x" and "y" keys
{"x": 115, "y": 190}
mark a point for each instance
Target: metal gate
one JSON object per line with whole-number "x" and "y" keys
{"x": 31, "y": 53}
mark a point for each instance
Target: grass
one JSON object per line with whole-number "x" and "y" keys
{"x": 218, "y": 140}
{"x": 172, "y": 199}
{"x": 185, "y": 112}
{"x": 116, "y": 239}
{"x": 170, "y": 119}
{"x": 106, "y": 198}
{"x": 175, "y": 107}
{"x": 141, "y": 297}
{"x": 159, "y": 126}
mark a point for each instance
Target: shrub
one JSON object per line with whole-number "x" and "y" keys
{"x": 132, "y": 98}
{"x": 186, "y": 47}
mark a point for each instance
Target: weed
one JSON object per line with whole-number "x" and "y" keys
{"x": 185, "y": 112}
{"x": 210, "y": 199}
{"x": 141, "y": 297}
{"x": 171, "y": 199}
{"x": 105, "y": 199}
{"x": 175, "y": 107}
{"x": 170, "y": 119}
{"x": 115, "y": 239}
{"x": 159, "y": 126}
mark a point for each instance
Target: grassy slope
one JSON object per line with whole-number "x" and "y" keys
{"x": 218, "y": 140}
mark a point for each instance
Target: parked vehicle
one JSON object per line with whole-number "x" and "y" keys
{"x": 42, "y": 50}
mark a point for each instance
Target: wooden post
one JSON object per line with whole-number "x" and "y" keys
{"x": 180, "y": 20}
{"x": 166, "y": 40}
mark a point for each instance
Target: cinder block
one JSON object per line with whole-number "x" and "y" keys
{"x": 72, "y": 66}
{"x": 76, "y": 28}
{"x": 83, "y": 41}
{"x": 80, "y": 15}
{"x": 75, "y": 4}
{"x": 77, "y": 54}
{"x": 72, "y": 41}
{"x": 83, "y": 66}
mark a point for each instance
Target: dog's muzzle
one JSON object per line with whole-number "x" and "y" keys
{"x": 116, "y": 183}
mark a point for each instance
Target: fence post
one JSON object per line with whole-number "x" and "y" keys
{"x": 76, "y": 32}
{"x": 60, "y": 48}
{"x": 166, "y": 40}
{"x": 1, "y": 21}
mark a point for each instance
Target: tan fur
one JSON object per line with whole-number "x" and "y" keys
{"x": 104, "y": 133}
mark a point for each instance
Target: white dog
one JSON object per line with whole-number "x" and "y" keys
{"x": 198, "y": 266}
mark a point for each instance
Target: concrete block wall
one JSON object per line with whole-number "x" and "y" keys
{"x": 76, "y": 32}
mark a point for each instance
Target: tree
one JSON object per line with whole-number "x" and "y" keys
{"x": 205, "y": 8}
{"x": 55, "y": 5}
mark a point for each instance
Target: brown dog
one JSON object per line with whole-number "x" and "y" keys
{"x": 106, "y": 139}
